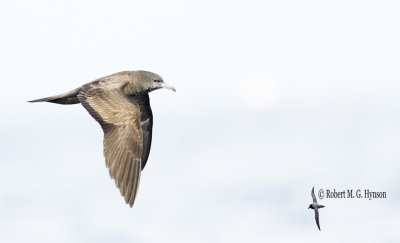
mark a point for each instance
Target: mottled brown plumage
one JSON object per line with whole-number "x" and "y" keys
{"x": 120, "y": 104}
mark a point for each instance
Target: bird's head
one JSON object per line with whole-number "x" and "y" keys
{"x": 310, "y": 206}
{"x": 148, "y": 81}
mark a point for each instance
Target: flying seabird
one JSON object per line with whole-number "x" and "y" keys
{"x": 315, "y": 206}
{"x": 120, "y": 104}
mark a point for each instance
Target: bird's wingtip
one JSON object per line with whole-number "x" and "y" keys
{"x": 38, "y": 100}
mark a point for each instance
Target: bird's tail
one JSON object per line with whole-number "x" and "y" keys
{"x": 68, "y": 98}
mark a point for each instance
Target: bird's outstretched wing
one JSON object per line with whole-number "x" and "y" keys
{"x": 119, "y": 116}
{"x": 146, "y": 122}
{"x": 317, "y": 218}
{"x": 147, "y": 127}
{"x": 314, "y": 199}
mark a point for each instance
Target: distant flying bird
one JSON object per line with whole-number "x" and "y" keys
{"x": 120, "y": 103}
{"x": 315, "y": 206}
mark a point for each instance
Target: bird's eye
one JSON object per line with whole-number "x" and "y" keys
{"x": 157, "y": 81}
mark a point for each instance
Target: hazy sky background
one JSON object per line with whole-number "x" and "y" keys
{"x": 272, "y": 99}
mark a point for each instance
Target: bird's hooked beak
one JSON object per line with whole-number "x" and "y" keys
{"x": 166, "y": 86}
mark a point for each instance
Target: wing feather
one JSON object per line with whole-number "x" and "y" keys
{"x": 313, "y": 196}
{"x": 119, "y": 116}
{"x": 146, "y": 123}
{"x": 317, "y": 218}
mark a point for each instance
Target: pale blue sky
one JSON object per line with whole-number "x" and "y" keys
{"x": 273, "y": 97}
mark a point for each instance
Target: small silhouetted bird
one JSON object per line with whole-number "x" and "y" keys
{"x": 120, "y": 103}
{"x": 315, "y": 206}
